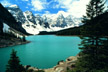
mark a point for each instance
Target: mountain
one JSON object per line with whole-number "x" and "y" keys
{"x": 5, "y": 27}
{"x": 77, "y": 21}
{"x": 26, "y": 19}
{"x": 17, "y": 13}
{"x": 38, "y": 19}
{"x": 33, "y": 24}
{"x": 98, "y": 24}
{"x": 69, "y": 21}
{"x": 7, "y": 18}
{"x": 30, "y": 17}
{"x": 59, "y": 22}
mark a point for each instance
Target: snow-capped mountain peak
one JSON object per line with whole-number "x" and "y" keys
{"x": 28, "y": 12}
{"x": 30, "y": 17}
{"x": 47, "y": 22}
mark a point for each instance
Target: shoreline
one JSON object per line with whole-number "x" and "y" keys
{"x": 68, "y": 35}
{"x": 7, "y": 41}
{"x": 14, "y": 44}
{"x": 62, "y": 65}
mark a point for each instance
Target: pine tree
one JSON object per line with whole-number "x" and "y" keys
{"x": 1, "y": 27}
{"x": 24, "y": 39}
{"x": 94, "y": 53}
{"x": 94, "y": 8}
{"x": 14, "y": 63}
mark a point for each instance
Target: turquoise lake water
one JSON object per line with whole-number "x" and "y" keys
{"x": 44, "y": 51}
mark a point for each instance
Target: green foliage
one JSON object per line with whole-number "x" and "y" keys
{"x": 24, "y": 39}
{"x": 1, "y": 27}
{"x": 9, "y": 35}
{"x": 30, "y": 70}
{"x": 71, "y": 31}
{"x": 94, "y": 8}
{"x": 14, "y": 63}
{"x": 73, "y": 70}
{"x": 40, "y": 71}
{"x": 93, "y": 55}
{"x": 94, "y": 52}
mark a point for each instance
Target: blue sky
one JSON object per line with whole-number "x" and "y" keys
{"x": 76, "y": 8}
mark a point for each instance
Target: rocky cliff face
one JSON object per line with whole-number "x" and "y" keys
{"x": 30, "y": 17}
{"x": 59, "y": 21}
{"x": 6, "y": 17}
{"x": 17, "y": 13}
{"x": 34, "y": 24}
{"x": 69, "y": 21}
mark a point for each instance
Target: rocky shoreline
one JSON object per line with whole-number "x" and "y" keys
{"x": 62, "y": 66}
{"x": 4, "y": 42}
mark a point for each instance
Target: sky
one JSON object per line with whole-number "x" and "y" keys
{"x": 76, "y": 8}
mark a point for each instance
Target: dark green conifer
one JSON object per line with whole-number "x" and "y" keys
{"x": 94, "y": 8}
{"x": 24, "y": 39}
{"x": 14, "y": 63}
{"x": 94, "y": 53}
{"x": 1, "y": 27}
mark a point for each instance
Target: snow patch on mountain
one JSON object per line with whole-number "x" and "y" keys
{"x": 33, "y": 24}
{"x": 30, "y": 29}
{"x": 5, "y": 27}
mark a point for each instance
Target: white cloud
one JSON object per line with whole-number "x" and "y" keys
{"x": 56, "y": 6}
{"x": 6, "y": 3}
{"x": 47, "y": 12}
{"x": 27, "y": 7}
{"x": 29, "y": 4}
{"x": 25, "y": 0}
{"x": 38, "y": 5}
{"x": 76, "y": 8}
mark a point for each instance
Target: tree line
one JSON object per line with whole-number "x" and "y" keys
{"x": 94, "y": 34}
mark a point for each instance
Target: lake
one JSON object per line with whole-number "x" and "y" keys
{"x": 44, "y": 51}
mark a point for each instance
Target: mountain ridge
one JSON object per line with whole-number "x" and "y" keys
{"x": 7, "y": 18}
{"x": 33, "y": 24}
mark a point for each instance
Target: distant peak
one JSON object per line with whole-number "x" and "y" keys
{"x": 69, "y": 16}
{"x": 14, "y": 6}
{"x": 37, "y": 15}
{"x": 60, "y": 14}
{"x": 28, "y": 12}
